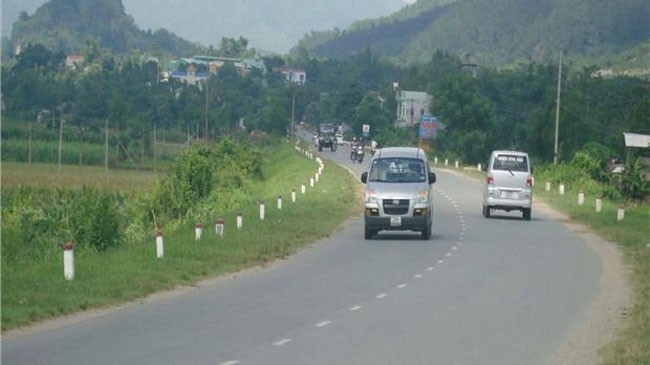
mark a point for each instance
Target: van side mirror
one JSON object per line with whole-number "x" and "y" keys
{"x": 432, "y": 177}
{"x": 364, "y": 177}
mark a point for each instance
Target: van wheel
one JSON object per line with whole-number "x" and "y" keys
{"x": 426, "y": 233}
{"x": 527, "y": 213}
{"x": 368, "y": 233}
{"x": 486, "y": 211}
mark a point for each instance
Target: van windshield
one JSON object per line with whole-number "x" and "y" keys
{"x": 397, "y": 170}
{"x": 510, "y": 163}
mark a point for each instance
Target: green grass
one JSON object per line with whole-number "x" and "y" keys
{"x": 36, "y": 290}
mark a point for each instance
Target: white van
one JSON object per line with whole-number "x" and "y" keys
{"x": 398, "y": 192}
{"x": 508, "y": 184}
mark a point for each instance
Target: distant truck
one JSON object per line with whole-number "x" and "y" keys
{"x": 326, "y": 138}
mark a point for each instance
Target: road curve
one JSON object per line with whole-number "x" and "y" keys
{"x": 480, "y": 291}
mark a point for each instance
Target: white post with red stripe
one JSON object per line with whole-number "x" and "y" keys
{"x": 198, "y": 231}
{"x": 262, "y": 210}
{"x": 68, "y": 261}
{"x": 240, "y": 220}
{"x": 218, "y": 227}
{"x": 159, "y": 243}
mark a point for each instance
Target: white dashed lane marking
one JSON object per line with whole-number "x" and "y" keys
{"x": 323, "y": 324}
{"x": 401, "y": 286}
{"x": 355, "y": 308}
{"x": 381, "y": 296}
{"x": 230, "y": 363}
{"x": 282, "y": 342}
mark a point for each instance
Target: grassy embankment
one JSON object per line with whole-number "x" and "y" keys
{"x": 632, "y": 235}
{"x": 35, "y": 290}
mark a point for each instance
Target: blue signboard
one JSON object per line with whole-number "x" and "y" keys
{"x": 428, "y": 126}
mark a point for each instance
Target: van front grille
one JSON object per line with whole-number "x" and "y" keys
{"x": 396, "y": 206}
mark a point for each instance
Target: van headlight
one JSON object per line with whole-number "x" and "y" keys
{"x": 422, "y": 197}
{"x": 371, "y": 196}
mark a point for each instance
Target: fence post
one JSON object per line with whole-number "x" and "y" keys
{"x": 68, "y": 260}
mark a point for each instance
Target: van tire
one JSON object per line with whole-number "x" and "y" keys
{"x": 426, "y": 233}
{"x": 527, "y": 213}
{"x": 368, "y": 233}
{"x": 486, "y": 211}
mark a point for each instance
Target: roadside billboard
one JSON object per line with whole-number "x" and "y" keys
{"x": 428, "y": 126}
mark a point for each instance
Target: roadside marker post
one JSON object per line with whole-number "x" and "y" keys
{"x": 547, "y": 186}
{"x": 68, "y": 260}
{"x": 262, "y": 210}
{"x": 311, "y": 182}
{"x": 218, "y": 227}
{"x": 159, "y": 243}
{"x": 303, "y": 188}
{"x": 240, "y": 220}
{"x": 198, "y": 231}
{"x": 279, "y": 202}
{"x": 561, "y": 188}
{"x": 293, "y": 195}
{"x": 621, "y": 213}
{"x": 599, "y": 204}
{"x": 581, "y": 197}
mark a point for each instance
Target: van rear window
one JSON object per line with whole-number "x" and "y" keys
{"x": 510, "y": 163}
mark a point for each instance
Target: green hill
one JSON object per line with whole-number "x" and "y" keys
{"x": 495, "y": 32}
{"x": 67, "y": 24}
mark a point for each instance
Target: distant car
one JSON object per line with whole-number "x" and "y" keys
{"x": 508, "y": 184}
{"x": 398, "y": 194}
{"x": 339, "y": 139}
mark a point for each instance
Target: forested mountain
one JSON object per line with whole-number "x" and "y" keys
{"x": 495, "y": 32}
{"x": 268, "y": 25}
{"x": 66, "y": 25}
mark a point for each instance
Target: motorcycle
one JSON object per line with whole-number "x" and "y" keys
{"x": 357, "y": 154}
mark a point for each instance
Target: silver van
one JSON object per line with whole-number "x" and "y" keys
{"x": 508, "y": 184}
{"x": 398, "y": 194}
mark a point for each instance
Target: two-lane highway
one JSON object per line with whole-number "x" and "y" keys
{"x": 480, "y": 291}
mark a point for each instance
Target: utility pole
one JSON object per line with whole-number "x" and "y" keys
{"x": 206, "y": 109}
{"x": 60, "y": 142}
{"x": 557, "y": 108}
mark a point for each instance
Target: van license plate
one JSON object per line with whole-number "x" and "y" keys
{"x": 395, "y": 221}
{"x": 509, "y": 195}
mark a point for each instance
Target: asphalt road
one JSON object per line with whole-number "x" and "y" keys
{"x": 480, "y": 291}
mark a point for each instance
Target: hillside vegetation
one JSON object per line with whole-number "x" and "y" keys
{"x": 66, "y": 25}
{"x": 495, "y": 32}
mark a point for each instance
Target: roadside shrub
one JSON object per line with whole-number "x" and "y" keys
{"x": 94, "y": 219}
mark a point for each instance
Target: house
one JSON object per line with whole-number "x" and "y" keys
{"x": 198, "y": 68}
{"x": 74, "y": 61}
{"x": 297, "y": 76}
{"x": 410, "y": 106}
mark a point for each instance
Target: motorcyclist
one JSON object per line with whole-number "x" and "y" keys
{"x": 373, "y": 147}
